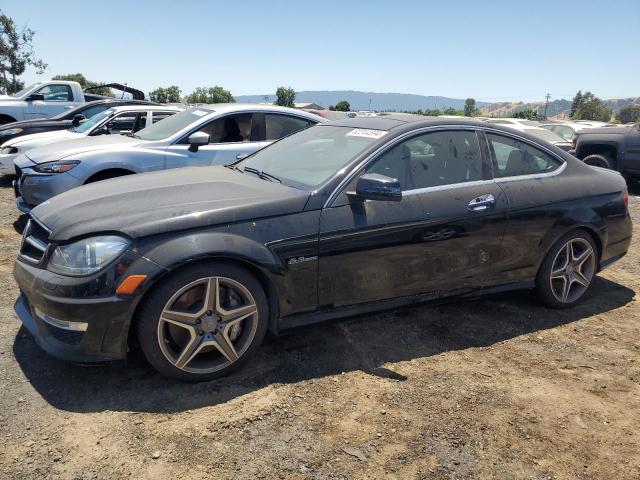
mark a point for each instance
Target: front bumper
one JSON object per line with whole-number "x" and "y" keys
{"x": 38, "y": 188}
{"x": 47, "y": 300}
{"x": 7, "y": 167}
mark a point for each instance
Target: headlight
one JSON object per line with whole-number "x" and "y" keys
{"x": 55, "y": 167}
{"x": 86, "y": 256}
{"x": 9, "y": 150}
{"x": 10, "y": 131}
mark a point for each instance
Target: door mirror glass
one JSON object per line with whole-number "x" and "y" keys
{"x": 35, "y": 97}
{"x": 373, "y": 186}
{"x": 77, "y": 119}
{"x": 198, "y": 139}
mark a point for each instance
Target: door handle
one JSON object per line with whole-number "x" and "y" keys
{"x": 483, "y": 202}
{"x": 241, "y": 156}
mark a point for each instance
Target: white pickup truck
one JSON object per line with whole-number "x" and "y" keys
{"x": 47, "y": 99}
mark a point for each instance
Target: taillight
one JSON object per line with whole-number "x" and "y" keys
{"x": 625, "y": 198}
{"x": 574, "y": 141}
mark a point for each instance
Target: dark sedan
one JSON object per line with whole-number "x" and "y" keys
{"x": 343, "y": 218}
{"x": 63, "y": 121}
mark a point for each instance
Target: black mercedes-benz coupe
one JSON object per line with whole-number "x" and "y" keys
{"x": 343, "y": 218}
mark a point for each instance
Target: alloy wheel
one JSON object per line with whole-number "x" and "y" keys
{"x": 207, "y": 325}
{"x": 572, "y": 270}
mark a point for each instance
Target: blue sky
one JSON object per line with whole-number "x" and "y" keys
{"x": 489, "y": 50}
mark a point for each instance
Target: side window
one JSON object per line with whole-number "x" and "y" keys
{"x": 278, "y": 126}
{"x": 56, "y": 93}
{"x": 157, "y": 116}
{"x": 228, "y": 129}
{"x": 433, "y": 159}
{"x": 91, "y": 111}
{"x": 122, "y": 121}
{"x": 512, "y": 157}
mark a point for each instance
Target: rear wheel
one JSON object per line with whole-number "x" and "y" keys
{"x": 203, "y": 322}
{"x": 600, "y": 160}
{"x": 568, "y": 270}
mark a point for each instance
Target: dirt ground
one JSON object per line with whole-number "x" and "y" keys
{"x": 498, "y": 388}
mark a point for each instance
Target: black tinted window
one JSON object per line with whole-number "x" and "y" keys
{"x": 228, "y": 129}
{"x": 433, "y": 159}
{"x": 278, "y": 126}
{"x": 512, "y": 157}
{"x": 91, "y": 111}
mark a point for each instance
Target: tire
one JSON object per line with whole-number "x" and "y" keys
{"x": 556, "y": 271}
{"x": 210, "y": 339}
{"x": 600, "y": 160}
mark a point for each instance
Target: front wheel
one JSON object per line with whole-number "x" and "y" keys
{"x": 203, "y": 322}
{"x": 568, "y": 270}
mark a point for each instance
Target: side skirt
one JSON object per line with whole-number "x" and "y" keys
{"x": 300, "y": 320}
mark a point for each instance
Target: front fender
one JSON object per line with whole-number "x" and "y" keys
{"x": 213, "y": 244}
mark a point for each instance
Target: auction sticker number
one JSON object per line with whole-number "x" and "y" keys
{"x": 366, "y": 132}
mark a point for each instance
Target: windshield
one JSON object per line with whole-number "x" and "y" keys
{"x": 308, "y": 158}
{"x": 24, "y": 90}
{"x": 544, "y": 134}
{"x": 172, "y": 124}
{"x": 87, "y": 125}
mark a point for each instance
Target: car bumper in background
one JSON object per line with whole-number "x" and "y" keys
{"x": 7, "y": 167}
{"x": 35, "y": 189}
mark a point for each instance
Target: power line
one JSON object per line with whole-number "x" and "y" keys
{"x": 546, "y": 104}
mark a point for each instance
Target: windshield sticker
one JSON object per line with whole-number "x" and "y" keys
{"x": 367, "y": 133}
{"x": 200, "y": 113}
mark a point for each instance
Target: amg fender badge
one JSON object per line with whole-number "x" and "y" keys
{"x": 296, "y": 260}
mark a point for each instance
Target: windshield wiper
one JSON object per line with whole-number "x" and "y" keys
{"x": 262, "y": 174}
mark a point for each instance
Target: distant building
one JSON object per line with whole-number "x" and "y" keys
{"x": 308, "y": 106}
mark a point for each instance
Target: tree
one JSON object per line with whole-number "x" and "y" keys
{"x": 166, "y": 95}
{"x": 527, "y": 114}
{"x": 453, "y": 111}
{"x": 470, "y": 109}
{"x": 629, "y": 114}
{"x": 592, "y": 108}
{"x": 286, "y": 97}
{"x": 342, "y": 106}
{"x": 576, "y": 103}
{"x": 16, "y": 53}
{"x": 84, "y": 83}
{"x": 215, "y": 94}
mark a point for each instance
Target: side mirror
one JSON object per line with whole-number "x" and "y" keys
{"x": 197, "y": 140}
{"x": 77, "y": 119}
{"x": 35, "y": 97}
{"x": 373, "y": 186}
{"x": 100, "y": 131}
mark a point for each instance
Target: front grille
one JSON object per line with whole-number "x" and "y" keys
{"x": 35, "y": 241}
{"x": 69, "y": 337}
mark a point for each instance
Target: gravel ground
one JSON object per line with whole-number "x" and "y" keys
{"x": 498, "y": 388}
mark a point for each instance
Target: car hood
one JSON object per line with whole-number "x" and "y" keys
{"x": 42, "y": 138}
{"x": 165, "y": 201}
{"x": 37, "y": 123}
{"x": 63, "y": 149}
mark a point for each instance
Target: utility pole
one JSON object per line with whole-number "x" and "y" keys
{"x": 546, "y": 104}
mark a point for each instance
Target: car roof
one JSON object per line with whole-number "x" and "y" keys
{"x": 143, "y": 108}
{"x": 260, "y": 107}
{"x": 391, "y": 122}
